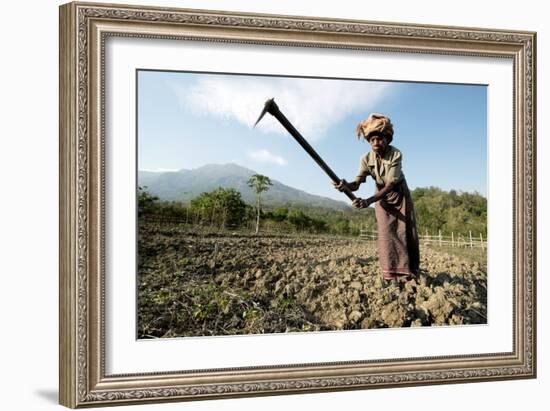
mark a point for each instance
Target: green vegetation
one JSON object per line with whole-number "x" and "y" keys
{"x": 147, "y": 203}
{"x": 221, "y": 208}
{"x": 315, "y": 220}
{"x": 450, "y": 211}
{"x": 224, "y": 208}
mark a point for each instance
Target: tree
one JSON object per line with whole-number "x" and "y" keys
{"x": 260, "y": 184}
{"x": 452, "y": 211}
{"x": 223, "y": 206}
{"x": 147, "y": 203}
{"x": 280, "y": 214}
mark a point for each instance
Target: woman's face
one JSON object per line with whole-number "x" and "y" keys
{"x": 378, "y": 143}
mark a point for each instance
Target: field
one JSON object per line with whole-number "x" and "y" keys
{"x": 192, "y": 284}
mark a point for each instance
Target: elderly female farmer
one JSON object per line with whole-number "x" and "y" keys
{"x": 397, "y": 236}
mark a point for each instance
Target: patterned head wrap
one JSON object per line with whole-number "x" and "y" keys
{"x": 375, "y": 124}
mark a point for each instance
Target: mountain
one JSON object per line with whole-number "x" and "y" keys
{"x": 184, "y": 185}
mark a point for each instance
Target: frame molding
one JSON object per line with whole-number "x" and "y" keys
{"x": 83, "y": 30}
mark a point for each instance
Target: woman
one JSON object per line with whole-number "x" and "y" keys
{"x": 397, "y": 236}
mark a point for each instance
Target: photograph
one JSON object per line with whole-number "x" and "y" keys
{"x": 260, "y": 204}
{"x": 282, "y": 204}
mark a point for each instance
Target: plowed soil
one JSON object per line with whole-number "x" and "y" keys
{"x": 226, "y": 284}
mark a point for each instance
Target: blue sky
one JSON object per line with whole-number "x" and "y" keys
{"x": 187, "y": 120}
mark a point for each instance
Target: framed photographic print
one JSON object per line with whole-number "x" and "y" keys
{"x": 260, "y": 204}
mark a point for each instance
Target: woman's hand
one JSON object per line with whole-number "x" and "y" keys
{"x": 343, "y": 184}
{"x": 361, "y": 203}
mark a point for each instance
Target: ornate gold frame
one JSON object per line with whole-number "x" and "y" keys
{"x": 83, "y": 30}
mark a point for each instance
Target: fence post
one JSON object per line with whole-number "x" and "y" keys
{"x": 471, "y": 242}
{"x": 481, "y": 239}
{"x": 452, "y": 238}
{"x": 440, "y": 238}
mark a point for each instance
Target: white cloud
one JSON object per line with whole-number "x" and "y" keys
{"x": 311, "y": 105}
{"x": 264, "y": 156}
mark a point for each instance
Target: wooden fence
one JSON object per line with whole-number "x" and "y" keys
{"x": 453, "y": 240}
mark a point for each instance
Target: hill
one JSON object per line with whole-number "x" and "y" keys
{"x": 184, "y": 185}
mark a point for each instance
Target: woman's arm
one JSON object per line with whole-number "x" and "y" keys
{"x": 361, "y": 203}
{"x": 381, "y": 193}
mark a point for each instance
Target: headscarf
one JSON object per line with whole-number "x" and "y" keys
{"x": 375, "y": 124}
